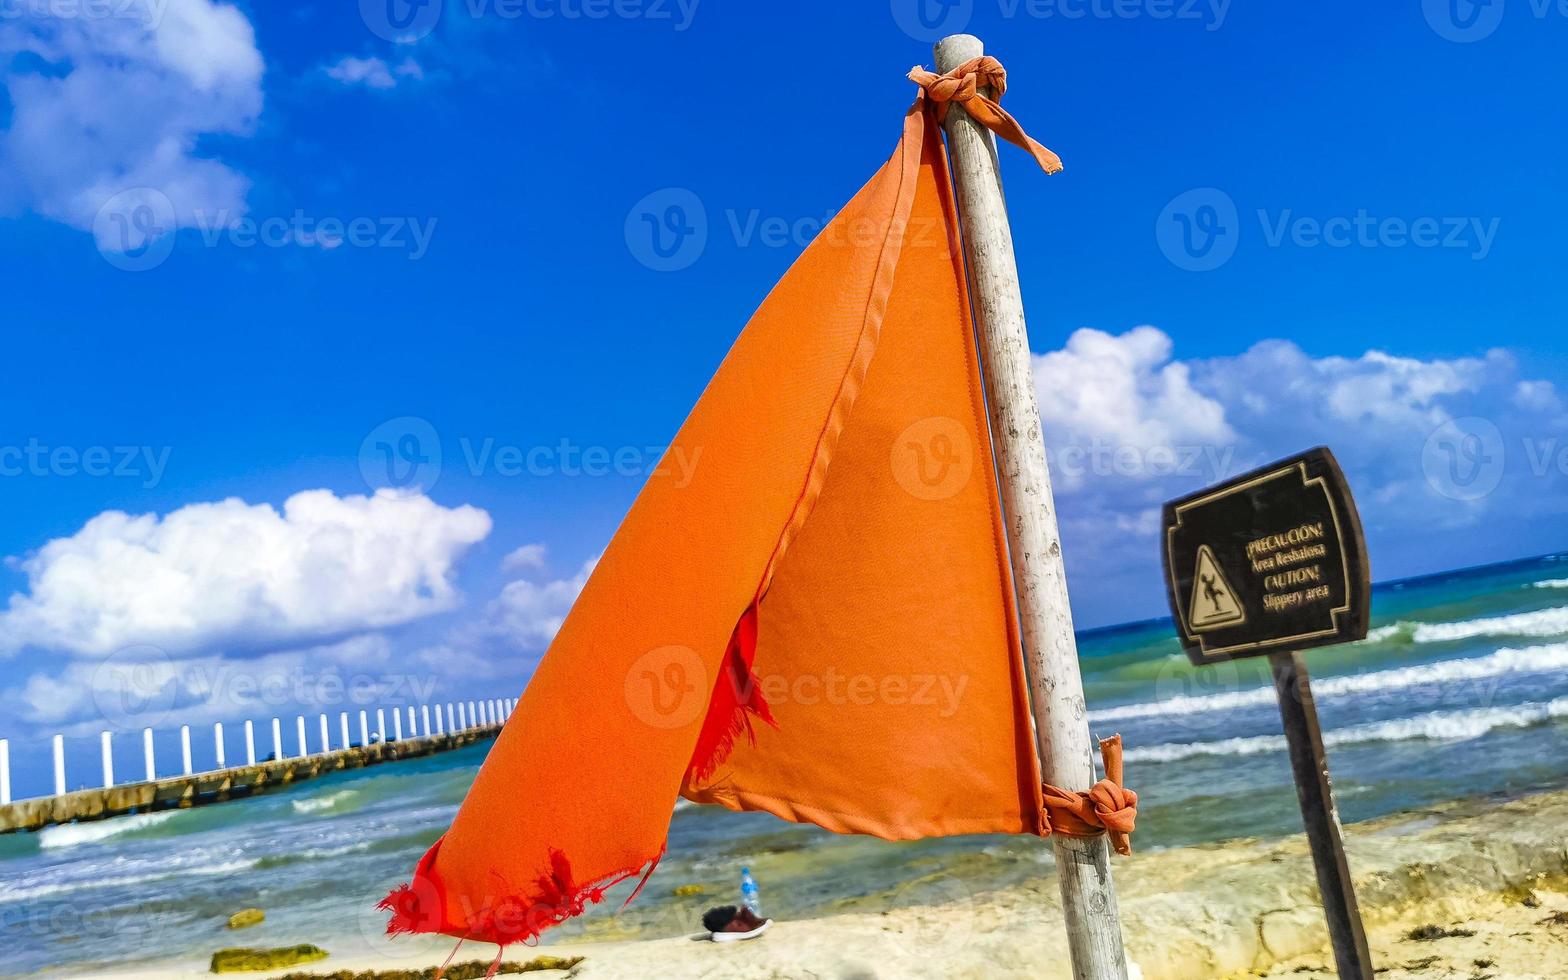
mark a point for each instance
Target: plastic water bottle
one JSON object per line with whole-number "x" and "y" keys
{"x": 748, "y": 893}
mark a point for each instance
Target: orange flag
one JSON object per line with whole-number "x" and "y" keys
{"x": 818, "y": 623}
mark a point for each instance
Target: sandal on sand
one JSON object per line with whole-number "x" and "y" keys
{"x": 728, "y": 924}
{"x": 735, "y": 937}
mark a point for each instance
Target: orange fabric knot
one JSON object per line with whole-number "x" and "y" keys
{"x": 963, "y": 85}
{"x": 1108, "y": 807}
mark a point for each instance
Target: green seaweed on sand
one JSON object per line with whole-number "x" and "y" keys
{"x": 249, "y": 960}
{"x": 245, "y": 918}
{"x": 473, "y": 970}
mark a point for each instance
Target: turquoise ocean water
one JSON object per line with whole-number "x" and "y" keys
{"x": 1461, "y": 690}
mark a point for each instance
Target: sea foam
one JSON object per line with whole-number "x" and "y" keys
{"x": 1445, "y": 726}
{"x": 1541, "y": 622}
{"x": 1529, "y": 660}
{"x": 72, "y": 834}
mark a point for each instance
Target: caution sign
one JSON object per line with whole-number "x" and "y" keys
{"x": 1214, "y": 602}
{"x": 1272, "y": 560}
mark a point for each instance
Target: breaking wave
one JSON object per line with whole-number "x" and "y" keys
{"x": 1442, "y": 726}
{"x": 1541, "y": 622}
{"x": 320, "y": 804}
{"x": 71, "y": 834}
{"x": 1529, "y": 660}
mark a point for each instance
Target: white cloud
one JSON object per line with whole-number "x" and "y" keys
{"x": 241, "y": 576}
{"x": 529, "y": 556}
{"x": 373, "y": 72}
{"x": 522, "y": 619}
{"x": 527, "y": 614}
{"x": 116, "y": 113}
{"x": 1128, "y": 425}
{"x": 1124, "y": 390}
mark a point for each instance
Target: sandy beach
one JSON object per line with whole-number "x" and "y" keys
{"x": 1476, "y": 889}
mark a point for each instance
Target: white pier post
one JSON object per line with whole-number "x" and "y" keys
{"x": 147, "y": 755}
{"x": 217, "y": 741}
{"x": 5, "y": 772}
{"x": 381, "y": 725}
{"x": 451, "y": 723}
{"x": 1094, "y": 935}
{"x": 59, "y": 765}
{"x": 326, "y": 745}
{"x": 106, "y": 740}
{"x": 397, "y": 724}
{"x": 277, "y": 740}
{"x": 440, "y": 721}
{"x": 343, "y": 729}
{"x": 185, "y": 747}
{"x": 299, "y": 735}
{"x": 462, "y": 717}
{"x": 424, "y": 716}
{"x": 364, "y": 728}
{"x": 413, "y": 727}
{"x": 250, "y": 744}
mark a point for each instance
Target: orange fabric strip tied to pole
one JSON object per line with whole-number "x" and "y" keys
{"x": 818, "y": 622}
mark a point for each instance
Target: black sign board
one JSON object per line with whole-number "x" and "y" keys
{"x": 1273, "y": 560}
{"x": 1270, "y": 563}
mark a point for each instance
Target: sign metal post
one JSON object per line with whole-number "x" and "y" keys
{"x": 1269, "y": 564}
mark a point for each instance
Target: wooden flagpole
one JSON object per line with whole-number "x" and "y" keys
{"x": 1056, "y": 687}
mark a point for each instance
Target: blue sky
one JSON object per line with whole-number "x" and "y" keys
{"x": 1340, "y": 223}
